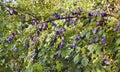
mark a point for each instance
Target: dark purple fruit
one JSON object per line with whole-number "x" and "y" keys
{"x": 63, "y": 29}
{"x": 67, "y": 15}
{"x": 10, "y": 12}
{"x": 50, "y": 19}
{"x": 53, "y": 41}
{"x": 38, "y": 33}
{"x": 22, "y": 28}
{"x": 98, "y": 23}
{"x": 118, "y": 23}
{"x": 27, "y": 45}
{"x": 40, "y": 28}
{"x": 15, "y": 49}
{"x": 94, "y": 31}
{"x": 45, "y": 26}
{"x": 16, "y": 32}
{"x": 54, "y": 24}
{"x": 67, "y": 24}
{"x": 95, "y": 39}
{"x": 33, "y": 21}
{"x": 116, "y": 28}
{"x": 57, "y": 32}
{"x": 26, "y": 26}
{"x": 15, "y": 12}
{"x": 102, "y": 56}
{"x": 77, "y": 37}
{"x": 58, "y": 54}
{"x": 73, "y": 44}
{"x": 62, "y": 44}
{"x": 58, "y": 15}
{"x": 13, "y": 34}
{"x": 37, "y": 22}
{"x": 58, "y": 47}
{"x": 10, "y": 38}
{"x": 71, "y": 21}
{"x": 75, "y": 13}
{"x": 6, "y": 41}
{"x": 103, "y": 14}
{"x": 103, "y": 41}
{"x": 105, "y": 62}
{"x": 18, "y": 71}
{"x": 23, "y": 16}
{"x": 90, "y": 14}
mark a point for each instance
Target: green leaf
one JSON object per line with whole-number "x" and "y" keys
{"x": 38, "y": 67}
{"x": 76, "y": 59}
{"x": 59, "y": 66}
{"x": 84, "y": 61}
{"x": 91, "y": 48}
{"x": 118, "y": 41}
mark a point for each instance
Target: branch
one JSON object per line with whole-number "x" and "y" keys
{"x": 112, "y": 15}
{"x": 53, "y": 19}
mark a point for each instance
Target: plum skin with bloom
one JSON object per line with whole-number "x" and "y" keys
{"x": 23, "y": 16}
{"x": 11, "y": 12}
{"x": 103, "y": 41}
{"x": 26, "y": 26}
{"x": 103, "y": 14}
{"x": 27, "y": 45}
{"x": 62, "y": 44}
{"x": 116, "y": 29}
{"x": 58, "y": 15}
{"x": 95, "y": 39}
{"x": 15, "y": 49}
{"x": 15, "y": 12}
{"x": 58, "y": 54}
{"x": 105, "y": 62}
{"x": 45, "y": 26}
{"x": 90, "y": 14}
{"x": 73, "y": 44}
{"x": 11, "y": 37}
{"x": 54, "y": 24}
{"x": 77, "y": 37}
{"x": 33, "y": 21}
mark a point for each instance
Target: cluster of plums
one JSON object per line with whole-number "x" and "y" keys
{"x": 13, "y": 12}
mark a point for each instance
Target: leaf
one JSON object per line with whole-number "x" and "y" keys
{"x": 59, "y": 66}
{"x": 84, "y": 61}
{"x": 91, "y": 48}
{"x": 64, "y": 53}
{"x": 38, "y": 67}
{"x": 76, "y": 59}
{"x": 118, "y": 41}
{"x": 94, "y": 47}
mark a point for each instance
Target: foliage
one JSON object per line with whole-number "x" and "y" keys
{"x": 59, "y": 36}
